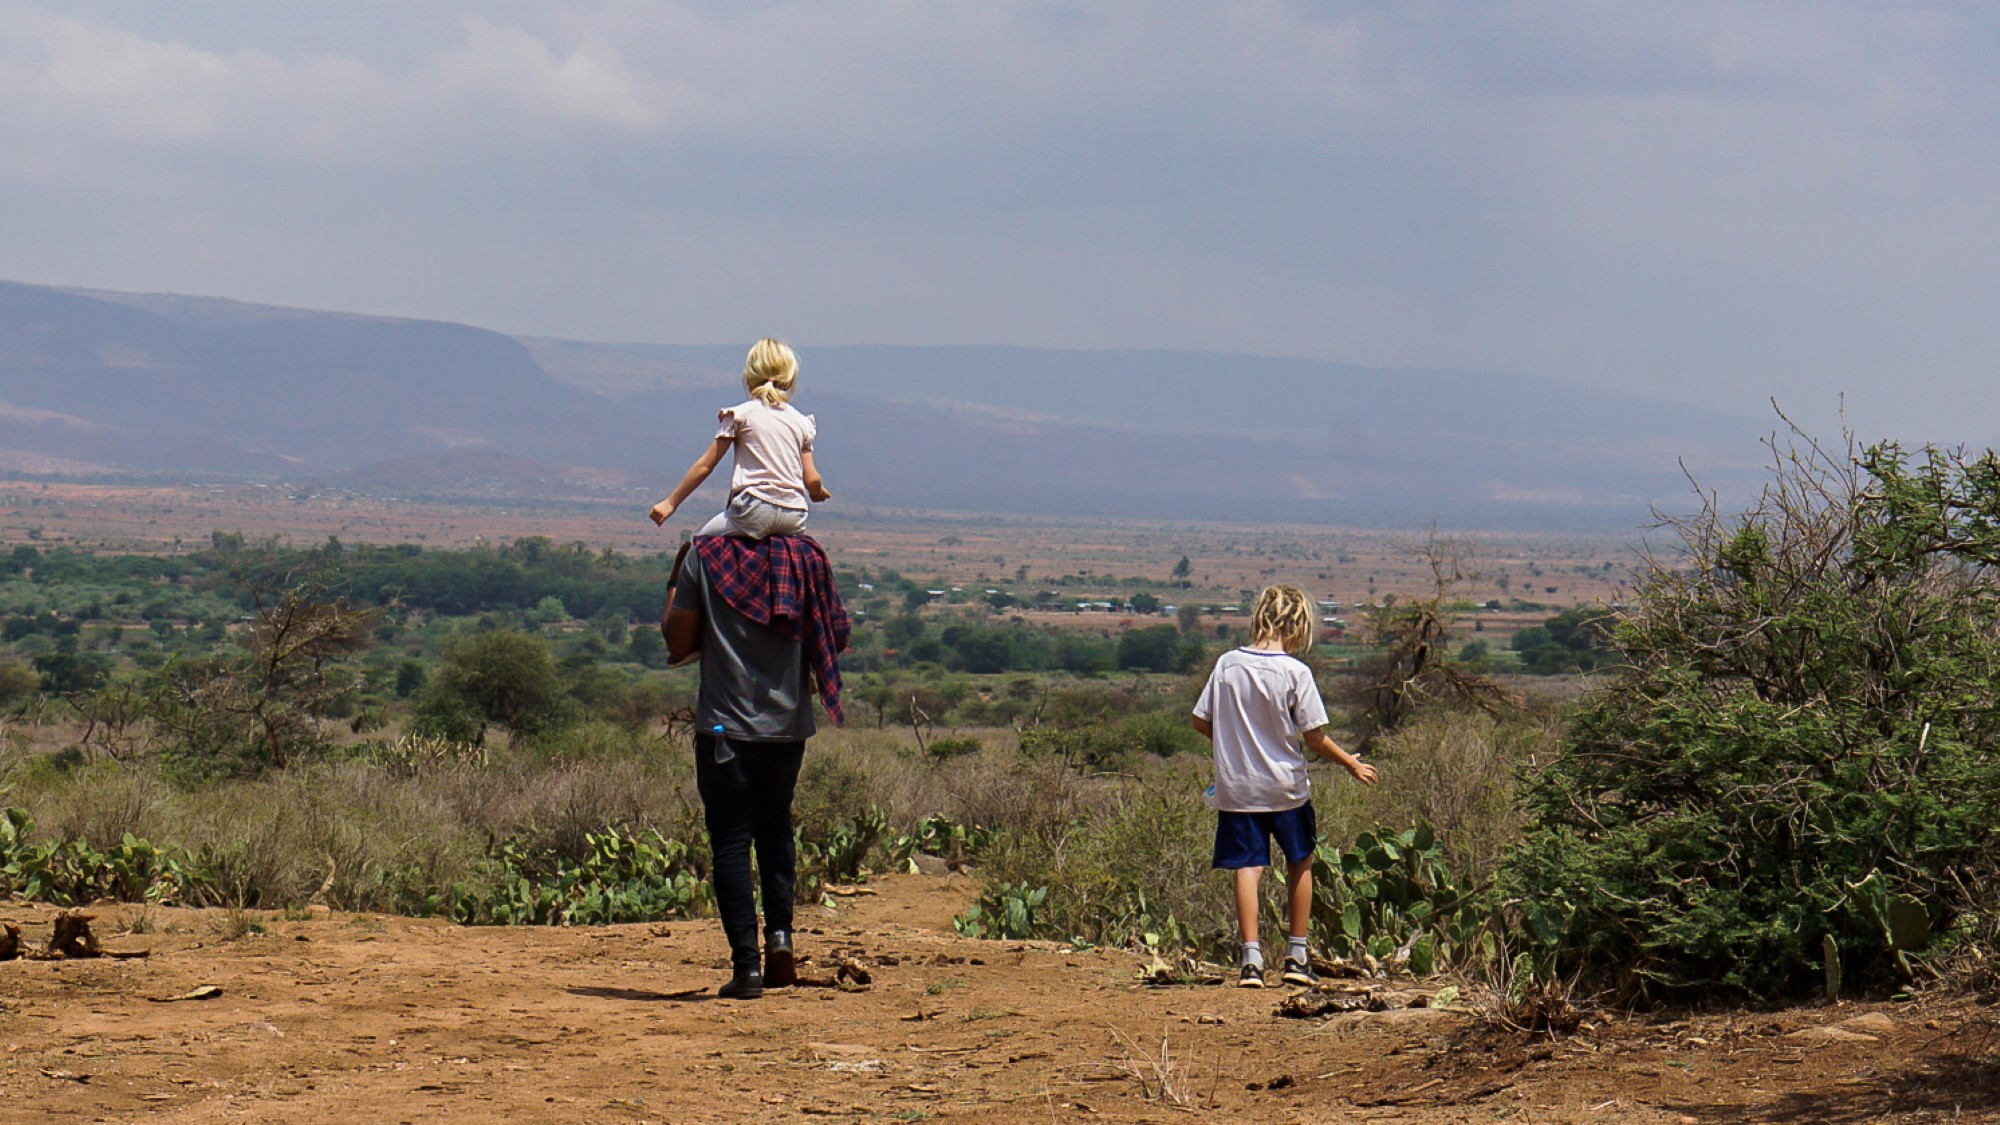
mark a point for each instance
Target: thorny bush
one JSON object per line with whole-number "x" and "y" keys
{"x": 1808, "y": 705}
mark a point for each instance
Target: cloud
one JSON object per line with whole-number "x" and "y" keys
{"x": 1713, "y": 201}
{"x": 77, "y": 84}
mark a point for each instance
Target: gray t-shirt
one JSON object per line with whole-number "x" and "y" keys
{"x": 754, "y": 683}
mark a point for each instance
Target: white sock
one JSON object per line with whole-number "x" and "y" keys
{"x": 1295, "y": 950}
{"x": 1253, "y": 953}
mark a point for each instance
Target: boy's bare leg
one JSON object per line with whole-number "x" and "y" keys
{"x": 1298, "y": 895}
{"x": 1247, "y": 881}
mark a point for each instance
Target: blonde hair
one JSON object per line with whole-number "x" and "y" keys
{"x": 770, "y": 371}
{"x": 1283, "y": 614}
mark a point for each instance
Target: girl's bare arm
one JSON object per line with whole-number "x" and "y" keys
{"x": 697, "y": 473}
{"x": 815, "y": 487}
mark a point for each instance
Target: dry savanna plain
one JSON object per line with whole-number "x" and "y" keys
{"x": 1228, "y": 562}
{"x": 325, "y": 1016}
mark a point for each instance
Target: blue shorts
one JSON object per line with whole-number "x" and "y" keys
{"x": 1243, "y": 839}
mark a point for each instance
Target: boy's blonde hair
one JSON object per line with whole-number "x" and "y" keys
{"x": 770, "y": 371}
{"x": 1283, "y": 614}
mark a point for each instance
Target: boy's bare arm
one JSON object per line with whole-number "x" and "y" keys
{"x": 697, "y": 473}
{"x": 1318, "y": 742}
{"x": 1203, "y": 727}
{"x": 815, "y": 487}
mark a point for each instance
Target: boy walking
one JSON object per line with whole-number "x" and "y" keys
{"x": 1260, "y": 701}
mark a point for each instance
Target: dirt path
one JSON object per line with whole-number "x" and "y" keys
{"x": 360, "y": 1018}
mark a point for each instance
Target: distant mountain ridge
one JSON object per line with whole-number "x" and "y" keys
{"x": 171, "y": 384}
{"x": 1166, "y": 391}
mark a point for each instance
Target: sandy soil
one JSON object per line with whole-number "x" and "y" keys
{"x": 358, "y": 1018}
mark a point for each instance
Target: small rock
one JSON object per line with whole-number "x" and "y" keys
{"x": 1831, "y": 1035}
{"x": 1872, "y": 1023}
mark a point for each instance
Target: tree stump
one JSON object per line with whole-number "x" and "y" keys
{"x": 72, "y": 936}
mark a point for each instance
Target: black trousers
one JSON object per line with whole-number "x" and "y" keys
{"x": 747, "y": 802}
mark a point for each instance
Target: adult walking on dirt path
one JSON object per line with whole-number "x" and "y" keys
{"x": 765, "y": 620}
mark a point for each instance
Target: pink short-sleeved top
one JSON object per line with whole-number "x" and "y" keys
{"x": 771, "y": 443}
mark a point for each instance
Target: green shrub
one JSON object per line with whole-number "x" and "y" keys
{"x": 1808, "y": 702}
{"x": 72, "y": 873}
{"x": 1156, "y": 648}
{"x": 1008, "y": 912}
{"x": 1392, "y": 897}
{"x": 1164, "y": 733}
{"x": 498, "y": 676}
{"x": 622, "y": 877}
{"x": 1116, "y": 745}
{"x": 1098, "y": 748}
{"x": 840, "y": 854}
{"x": 18, "y": 683}
{"x": 942, "y": 837}
{"x": 944, "y": 749}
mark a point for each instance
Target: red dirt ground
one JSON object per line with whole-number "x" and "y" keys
{"x": 362, "y": 1018}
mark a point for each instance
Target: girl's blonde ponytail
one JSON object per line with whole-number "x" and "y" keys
{"x": 770, "y": 372}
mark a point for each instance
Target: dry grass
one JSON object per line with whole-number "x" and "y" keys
{"x": 139, "y": 921}
{"x": 1160, "y": 1075}
{"x": 235, "y": 924}
{"x": 1457, "y": 772}
{"x": 1121, "y": 855}
{"x": 391, "y": 833}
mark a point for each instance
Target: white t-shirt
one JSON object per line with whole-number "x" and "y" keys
{"x": 1259, "y": 704}
{"x": 771, "y": 444}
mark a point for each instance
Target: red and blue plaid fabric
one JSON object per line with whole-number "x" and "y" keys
{"x": 785, "y": 582}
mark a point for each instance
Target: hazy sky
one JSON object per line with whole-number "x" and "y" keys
{"x": 1713, "y": 202}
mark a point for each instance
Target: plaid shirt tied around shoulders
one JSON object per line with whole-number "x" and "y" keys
{"x": 784, "y": 582}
